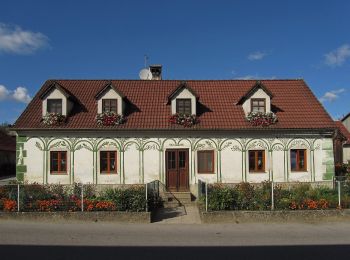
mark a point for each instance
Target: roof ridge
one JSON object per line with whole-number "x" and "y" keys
{"x": 296, "y": 79}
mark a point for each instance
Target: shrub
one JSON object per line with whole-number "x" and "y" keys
{"x": 221, "y": 198}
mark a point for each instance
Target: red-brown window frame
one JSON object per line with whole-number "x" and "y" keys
{"x": 256, "y": 160}
{"x": 59, "y": 158}
{"x": 109, "y": 101}
{"x": 258, "y": 100}
{"x": 207, "y": 171}
{"x": 108, "y": 162}
{"x": 48, "y": 102}
{"x": 297, "y": 160}
{"x": 183, "y": 100}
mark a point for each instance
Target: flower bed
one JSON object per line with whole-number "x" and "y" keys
{"x": 109, "y": 119}
{"x": 55, "y": 197}
{"x": 245, "y": 196}
{"x": 184, "y": 119}
{"x": 262, "y": 119}
{"x": 52, "y": 119}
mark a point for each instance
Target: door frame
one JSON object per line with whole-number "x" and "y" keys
{"x": 187, "y": 188}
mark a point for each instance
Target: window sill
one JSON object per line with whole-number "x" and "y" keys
{"x": 257, "y": 172}
{"x": 299, "y": 171}
{"x": 108, "y": 173}
{"x": 58, "y": 173}
{"x": 206, "y": 173}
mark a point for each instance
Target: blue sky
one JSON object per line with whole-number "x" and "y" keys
{"x": 40, "y": 40}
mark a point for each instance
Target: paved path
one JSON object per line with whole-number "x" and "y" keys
{"x": 112, "y": 234}
{"x": 188, "y": 214}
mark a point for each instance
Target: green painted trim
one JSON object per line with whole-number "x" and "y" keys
{"x": 19, "y": 146}
{"x": 271, "y": 166}
{"x": 217, "y": 167}
{"x": 21, "y": 168}
{"x": 96, "y": 172}
{"x": 47, "y": 168}
{"x": 24, "y": 153}
{"x": 20, "y": 176}
{"x": 219, "y": 164}
{"x": 21, "y": 139}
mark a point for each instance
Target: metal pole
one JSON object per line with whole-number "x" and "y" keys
{"x": 206, "y": 197}
{"x": 146, "y": 198}
{"x": 17, "y": 197}
{"x": 339, "y": 195}
{"x": 82, "y": 197}
{"x": 272, "y": 197}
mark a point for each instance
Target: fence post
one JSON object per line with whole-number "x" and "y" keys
{"x": 339, "y": 195}
{"x": 17, "y": 197}
{"x": 82, "y": 197}
{"x": 146, "y": 198}
{"x": 272, "y": 197}
{"x": 206, "y": 197}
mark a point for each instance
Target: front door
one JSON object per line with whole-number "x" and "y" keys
{"x": 177, "y": 170}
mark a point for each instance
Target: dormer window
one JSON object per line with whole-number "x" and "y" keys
{"x": 183, "y": 106}
{"x": 258, "y": 105}
{"x": 54, "y": 106}
{"x": 110, "y": 105}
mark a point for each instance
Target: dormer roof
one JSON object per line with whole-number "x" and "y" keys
{"x": 183, "y": 85}
{"x": 105, "y": 88}
{"x": 51, "y": 87}
{"x": 258, "y": 85}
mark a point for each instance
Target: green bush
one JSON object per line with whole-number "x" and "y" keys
{"x": 129, "y": 199}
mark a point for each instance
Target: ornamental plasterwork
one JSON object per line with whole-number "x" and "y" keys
{"x": 256, "y": 144}
{"x": 236, "y": 148}
{"x": 152, "y": 146}
{"x": 298, "y": 143}
{"x": 58, "y": 144}
{"x": 278, "y": 147}
{"x": 39, "y": 146}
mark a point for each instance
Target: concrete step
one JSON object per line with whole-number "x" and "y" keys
{"x": 182, "y": 197}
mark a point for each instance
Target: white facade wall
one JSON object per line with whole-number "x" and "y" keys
{"x": 142, "y": 160}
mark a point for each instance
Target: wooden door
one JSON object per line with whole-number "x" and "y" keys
{"x": 177, "y": 178}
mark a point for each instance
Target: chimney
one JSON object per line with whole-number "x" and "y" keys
{"x": 156, "y": 71}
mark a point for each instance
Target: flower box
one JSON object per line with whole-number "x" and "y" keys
{"x": 52, "y": 119}
{"x": 184, "y": 119}
{"x": 262, "y": 119}
{"x": 109, "y": 119}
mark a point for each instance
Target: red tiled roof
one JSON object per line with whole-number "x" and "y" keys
{"x": 344, "y": 131}
{"x": 7, "y": 143}
{"x": 294, "y": 103}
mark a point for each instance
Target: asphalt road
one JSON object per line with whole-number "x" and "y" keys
{"x": 113, "y": 234}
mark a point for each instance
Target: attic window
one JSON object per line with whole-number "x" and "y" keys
{"x": 109, "y": 105}
{"x": 183, "y": 106}
{"x": 258, "y": 105}
{"x": 54, "y": 106}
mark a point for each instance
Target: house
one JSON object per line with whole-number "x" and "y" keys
{"x": 7, "y": 154}
{"x": 344, "y": 128}
{"x": 137, "y": 131}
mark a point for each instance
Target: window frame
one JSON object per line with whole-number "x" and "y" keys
{"x": 255, "y": 170}
{"x": 183, "y": 100}
{"x": 257, "y": 100}
{"x": 108, "y": 162}
{"x": 49, "y": 100}
{"x": 59, "y": 165}
{"x": 109, "y": 100}
{"x": 297, "y": 160}
{"x": 207, "y": 171}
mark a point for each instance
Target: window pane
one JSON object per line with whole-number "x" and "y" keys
{"x": 301, "y": 160}
{"x": 54, "y": 106}
{"x": 112, "y": 164}
{"x": 260, "y": 161}
{"x": 183, "y": 106}
{"x": 103, "y": 165}
{"x": 251, "y": 160}
{"x": 54, "y": 165}
{"x": 201, "y": 162}
{"x": 293, "y": 159}
{"x": 182, "y": 159}
{"x": 209, "y": 161}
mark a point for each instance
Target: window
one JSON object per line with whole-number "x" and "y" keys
{"x": 108, "y": 162}
{"x": 54, "y": 106}
{"x": 109, "y": 105}
{"x": 257, "y": 161}
{"x": 258, "y": 105}
{"x": 58, "y": 162}
{"x": 205, "y": 161}
{"x": 298, "y": 159}
{"x": 183, "y": 106}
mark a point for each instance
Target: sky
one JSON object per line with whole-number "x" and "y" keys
{"x": 196, "y": 39}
